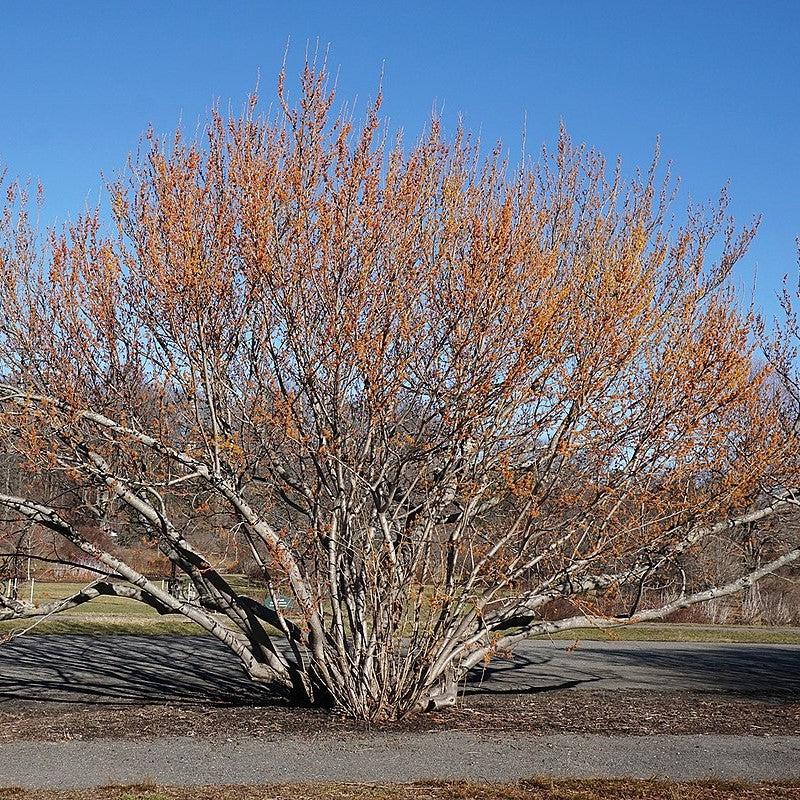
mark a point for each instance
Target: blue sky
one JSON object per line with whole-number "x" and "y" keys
{"x": 718, "y": 81}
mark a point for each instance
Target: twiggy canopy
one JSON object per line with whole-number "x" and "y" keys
{"x": 429, "y": 394}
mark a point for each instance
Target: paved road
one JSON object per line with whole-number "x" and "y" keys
{"x": 395, "y": 758}
{"x": 128, "y": 669}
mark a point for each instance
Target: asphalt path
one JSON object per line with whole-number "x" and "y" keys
{"x": 384, "y": 758}
{"x": 138, "y": 669}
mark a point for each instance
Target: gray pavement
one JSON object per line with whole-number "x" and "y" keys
{"x": 134, "y": 669}
{"x": 114, "y": 670}
{"x": 395, "y": 758}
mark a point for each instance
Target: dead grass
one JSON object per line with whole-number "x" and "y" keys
{"x": 103, "y": 625}
{"x": 49, "y": 591}
{"x": 686, "y": 632}
{"x": 118, "y": 616}
{"x": 100, "y": 624}
{"x": 525, "y": 790}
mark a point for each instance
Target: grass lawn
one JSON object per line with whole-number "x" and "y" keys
{"x": 102, "y": 626}
{"x": 101, "y": 616}
{"x": 115, "y": 615}
{"x": 45, "y": 592}
{"x": 104, "y": 615}
{"x": 685, "y": 632}
{"x": 526, "y": 790}
{"x": 151, "y": 624}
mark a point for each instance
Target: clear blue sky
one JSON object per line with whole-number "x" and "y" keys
{"x": 719, "y": 81}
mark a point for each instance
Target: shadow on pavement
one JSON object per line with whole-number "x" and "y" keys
{"x": 750, "y": 671}
{"x": 197, "y": 669}
{"x": 755, "y": 671}
{"x": 506, "y": 676}
{"x": 126, "y": 669}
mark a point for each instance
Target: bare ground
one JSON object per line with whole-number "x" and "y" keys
{"x": 623, "y": 712}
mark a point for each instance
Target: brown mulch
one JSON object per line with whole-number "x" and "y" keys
{"x": 624, "y": 712}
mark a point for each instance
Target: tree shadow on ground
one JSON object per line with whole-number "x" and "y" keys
{"x": 755, "y": 671}
{"x": 127, "y": 670}
{"x": 759, "y": 672}
{"x": 198, "y": 670}
{"x": 506, "y": 676}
